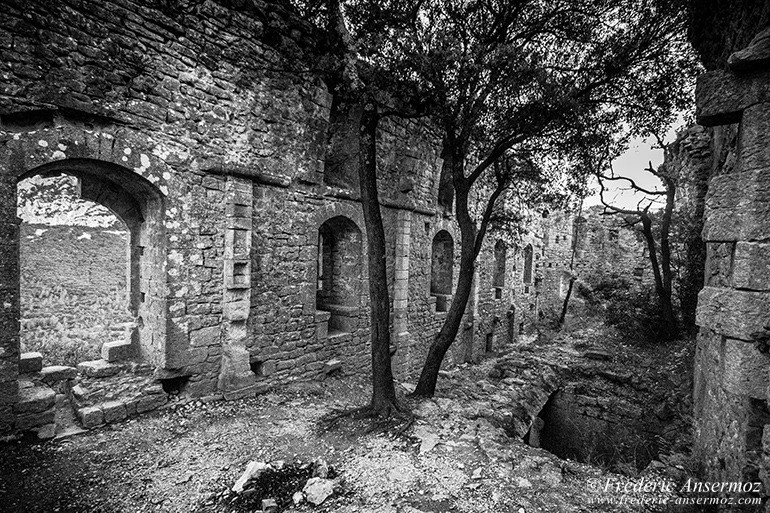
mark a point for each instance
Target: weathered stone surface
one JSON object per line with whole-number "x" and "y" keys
{"x": 722, "y": 96}
{"x": 98, "y": 368}
{"x": 35, "y": 399}
{"x": 738, "y": 204}
{"x": 30, "y": 362}
{"x": 150, "y": 402}
{"x": 25, "y": 421}
{"x": 332, "y": 366}
{"x": 114, "y": 411}
{"x": 117, "y": 351}
{"x": 317, "y": 490}
{"x": 755, "y": 57}
{"x": 751, "y": 266}
{"x": 90, "y": 416}
{"x": 746, "y": 369}
{"x": 734, "y": 313}
{"x": 57, "y": 373}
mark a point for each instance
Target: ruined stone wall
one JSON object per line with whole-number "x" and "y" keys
{"x": 190, "y": 124}
{"x": 731, "y": 377}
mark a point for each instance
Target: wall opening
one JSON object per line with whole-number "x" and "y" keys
{"x": 442, "y": 269}
{"x": 339, "y": 272}
{"x": 95, "y": 189}
{"x": 498, "y": 278}
{"x": 445, "y": 187}
{"x": 73, "y": 270}
{"x": 342, "y": 156}
{"x": 528, "y": 253}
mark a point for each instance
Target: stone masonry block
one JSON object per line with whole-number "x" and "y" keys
{"x": 721, "y": 96}
{"x": 114, "y": 411}
{"x": 117, "y": 351}
{"x": 35, "y": 399}
{"x": 751, "y": 266}
{"x": 738, "y": 207}
{"x": 30, "y": 362}
{"x": 90, "y": 416}
{"x": 26, "y": 421}
{"x": 151, "y": 402}
{"x": 752, "y": 143}
{"x": 57, "y": 373}
{"x": 98, "y": 368}
{"x": 745, "y": 369}
{"x": 734, "y": 313}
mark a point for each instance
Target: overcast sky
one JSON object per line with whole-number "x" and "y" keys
{"x": 633, "y": 164}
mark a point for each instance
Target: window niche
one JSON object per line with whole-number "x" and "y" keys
{"x": 339, "y": 269}
{"x": 441, "y": 270}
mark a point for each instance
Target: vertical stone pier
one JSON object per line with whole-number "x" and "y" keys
{"x": 732, "y": 367}
{"x": 236, "y": 378}
{"x": 9, "y": 301}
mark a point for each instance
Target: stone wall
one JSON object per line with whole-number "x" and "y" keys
{"x": 730, "y": 396}
{"x": 190, "y": 125}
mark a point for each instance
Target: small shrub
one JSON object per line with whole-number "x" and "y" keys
{"x": 635, "y": 311}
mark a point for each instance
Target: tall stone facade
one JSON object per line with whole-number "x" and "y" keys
{"x": 732, "y": 421}
{"x": 247, "y": 262}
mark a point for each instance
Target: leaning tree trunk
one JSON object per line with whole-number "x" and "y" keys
{"x": 426, "y": 386}
{"x": 383, "y": 391}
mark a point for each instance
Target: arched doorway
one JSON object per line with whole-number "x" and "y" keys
{"x": 73, "y": 262}
{"x": 138, "y": 205}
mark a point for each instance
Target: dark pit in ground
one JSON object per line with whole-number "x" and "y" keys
{"x": 570, "y": 430}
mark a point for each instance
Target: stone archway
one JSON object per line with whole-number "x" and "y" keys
{"x": 139, "y": 205}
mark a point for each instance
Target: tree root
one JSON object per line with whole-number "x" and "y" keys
{"x": 388, "y": 418}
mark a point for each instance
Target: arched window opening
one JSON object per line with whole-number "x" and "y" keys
{"x": 498, "y": 279}
{"x": 528, "y": 252}
{"x": 339, "y": 272}
{"x": 441, "y": 270}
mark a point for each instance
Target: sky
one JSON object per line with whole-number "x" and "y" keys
{"x": 633, "y": 164}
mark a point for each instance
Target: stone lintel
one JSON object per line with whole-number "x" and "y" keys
{"x": 721, "y": 96}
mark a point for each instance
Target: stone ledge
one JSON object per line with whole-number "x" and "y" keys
{"x": 98, "y": 368}
{"x": 57, "y": 373}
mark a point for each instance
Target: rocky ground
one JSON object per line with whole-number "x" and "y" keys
{"x": 463, "y": 453}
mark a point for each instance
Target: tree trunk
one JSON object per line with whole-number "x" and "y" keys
{"x": 426, "y": 386}
{"x": 564, "y": 307}
{"x": 383, "y": 391}
{"x": 663, "y": 292}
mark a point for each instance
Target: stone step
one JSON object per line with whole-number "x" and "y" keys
{"x": 35, "y": 399}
